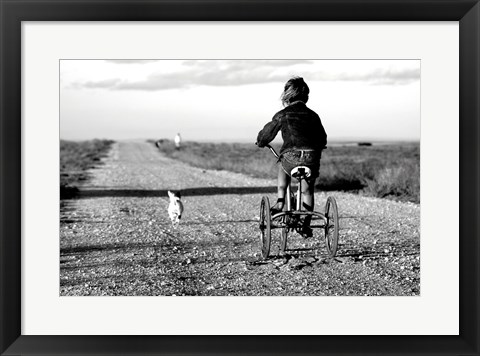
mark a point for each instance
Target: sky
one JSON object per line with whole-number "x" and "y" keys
{"x": 231, "y": 100}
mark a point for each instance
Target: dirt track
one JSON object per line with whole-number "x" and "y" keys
{"x": 116, "y": 238}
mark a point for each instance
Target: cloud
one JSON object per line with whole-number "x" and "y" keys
{"x": 209, "y": 73}
{"x": 130, "y": 61}
{"x": 247, "y": 62}
{"x": 222, "y": 73}
{"x": 107, "y": 84}
{"x": 383, "y": 76}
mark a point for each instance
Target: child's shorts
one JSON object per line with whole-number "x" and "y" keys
{"x": 295, "y": 158}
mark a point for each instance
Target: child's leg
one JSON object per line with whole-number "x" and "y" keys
{"x": 283, "y": 181}
{"x": 308, "y": 197}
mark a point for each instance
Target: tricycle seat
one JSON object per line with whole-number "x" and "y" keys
{"x": 301, "y": 172}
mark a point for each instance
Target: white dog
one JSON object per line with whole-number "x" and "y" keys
{"x": 175, "y": 208}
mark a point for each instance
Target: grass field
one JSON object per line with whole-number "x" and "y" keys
{"x": 386, "y": 171}
{"x": 76, "y": 157}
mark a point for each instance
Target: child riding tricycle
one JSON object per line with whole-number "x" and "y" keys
{"x": 304, "y": 139}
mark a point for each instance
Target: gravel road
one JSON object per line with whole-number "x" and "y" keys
{"x": 116, "y": 238}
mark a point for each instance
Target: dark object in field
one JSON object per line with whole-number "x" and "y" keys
{"x": 67, "y": 191}
{"x": 159, "y": 142}
{"x": 364, "y": 144}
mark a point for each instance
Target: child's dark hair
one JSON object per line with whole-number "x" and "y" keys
{"x": 295, "y": 89}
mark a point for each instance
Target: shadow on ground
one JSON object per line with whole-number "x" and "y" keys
{"x": 199, "y": 191}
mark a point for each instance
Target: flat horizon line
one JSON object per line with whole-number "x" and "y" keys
{"x": 330, "y": 141}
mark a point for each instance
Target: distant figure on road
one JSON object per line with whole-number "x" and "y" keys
{"x": 304, "y": 138}
{"x": 178, "y": 141}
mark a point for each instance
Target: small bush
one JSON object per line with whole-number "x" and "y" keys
{"x": 402, "y": 182}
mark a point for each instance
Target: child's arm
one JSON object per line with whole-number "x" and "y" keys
{"x": 269, "y": 132}
{"x": 323, "y": 135}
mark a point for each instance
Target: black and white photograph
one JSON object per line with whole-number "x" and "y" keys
{"x": 236, "y": 177}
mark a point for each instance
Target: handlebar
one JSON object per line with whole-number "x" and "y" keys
{"x": 273, "y": 151}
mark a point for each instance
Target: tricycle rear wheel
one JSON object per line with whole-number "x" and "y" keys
{"x": 284, "y": 234}
{"x": 331, "y": 226}
{"x": 265, "y": 227}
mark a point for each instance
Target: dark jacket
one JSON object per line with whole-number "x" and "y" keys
{"x": 301, "y": 129}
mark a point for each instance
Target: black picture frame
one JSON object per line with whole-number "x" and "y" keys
{"x": 13, "y": 12}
